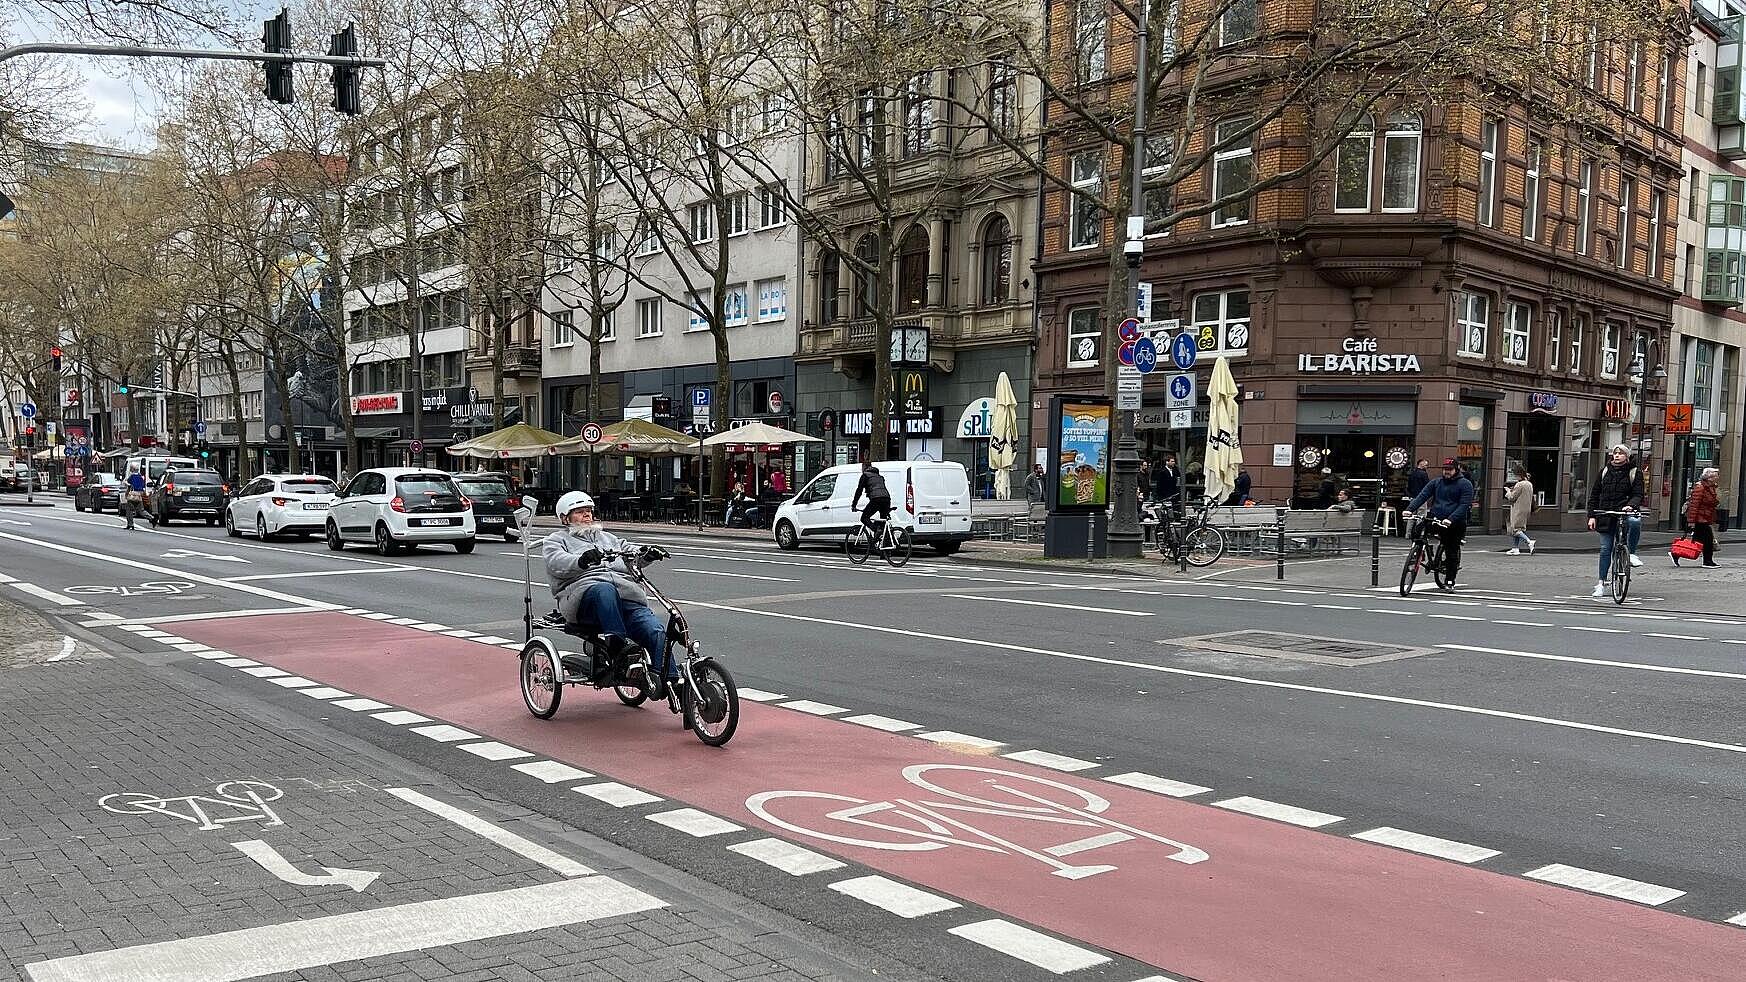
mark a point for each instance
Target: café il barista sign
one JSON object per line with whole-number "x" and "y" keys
{"x": 1358, "y": 356}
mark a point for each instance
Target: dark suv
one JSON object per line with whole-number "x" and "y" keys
{"x": 187, "y": 494}
{"x": 494, "y": 502}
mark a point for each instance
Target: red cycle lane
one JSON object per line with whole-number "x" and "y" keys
{"x": 1189, "y": 888}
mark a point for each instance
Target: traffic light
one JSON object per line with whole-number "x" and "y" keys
{"x": 345, "y": 77}
{"x": 55, "y": 358}
{"x": 276, "y": 39}
{"x": 123, "y": 387}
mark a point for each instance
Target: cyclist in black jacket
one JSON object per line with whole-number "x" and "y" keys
{"x": 878, "y": 497}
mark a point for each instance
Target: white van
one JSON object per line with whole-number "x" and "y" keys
{"x": 154, "y": 465}
{"x": 930, "y": 498}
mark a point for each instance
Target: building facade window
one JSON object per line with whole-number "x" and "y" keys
{"x": 736, "y": 307}
{"x": 1585, "y": 208}
{"x": 1518, "y": 333}
{"x": 1490, "y": 133}
{"x": 702, "y": 220}
{"x": 829, "y": 281}
{"x": 739, "y": 213}
{"x": 1664, "y": 89}
{"x": 648, "y": 238}
{"x": 1554, "y": 338}
{"x": 563, "y": 328}
{"x": 1400, "y": 162}
{"x": 1533, "y": 202}
{"x": 649, "y": 318}
{"x": 1472, "y": 323}
{"x": 1627, "y": 220}
{"x": 912, "y": 270}
{"x": 772, "y": 300}
{"x": 1090, "y": 40}
{"x": 996, "y": 257}
{"x": 1609, "y": 350}
{"x": 1724, "y": 252}
{"x": 1657, "y": 209}
{"x": 698, "y": 310}
{"x": 1233, "y": 171}
{"x": 1221, "y": 323}
{"x": 1634, "y": 76}
{"x": 1085, "y": 225}
{"x": 1703, "y": 376}
{"x": 1084, "y": 336}
{"x": 1160, "y": 154}
{"x": 1352, "y": 165}
{"x": 1002, "y": 98}
{"x": 918, "y": 116}
{"x": 1239, "y": 21}
{"x": 603, "y": 329}
{"x": 1578, "y": 327}
{"x": 772, "y": 205}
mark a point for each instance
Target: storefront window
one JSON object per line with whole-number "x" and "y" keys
{"x": 1471, "y": 438}
{"x": 1532, "y": 441}
{"x": 1580, "y": 464}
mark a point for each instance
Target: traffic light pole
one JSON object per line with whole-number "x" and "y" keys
{"x": 201, "y": 54}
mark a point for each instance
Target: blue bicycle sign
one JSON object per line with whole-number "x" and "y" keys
{"x": 1145, "y": 355}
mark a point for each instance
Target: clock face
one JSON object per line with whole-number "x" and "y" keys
{"x": 915, "y": 348}
{"x": 897, "y": 345}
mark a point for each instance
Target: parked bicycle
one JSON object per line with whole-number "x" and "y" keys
{"x": 1619, "y": 567}
{"x": 1187, "y": 540}
{"x": 1426, "y": 553}
{"x": 892, "y": 541}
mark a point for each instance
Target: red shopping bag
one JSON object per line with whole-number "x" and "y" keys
{"x": 1686, "y": 548}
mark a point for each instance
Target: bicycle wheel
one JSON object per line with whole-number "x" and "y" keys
{"x": 1435, "y": 564}
{"x": 542, "y": 680}
{"x": 1204, "y": 544}
{"x": 902, "y": 544}
{"x": 858, "y": 545}
{"x": 1409, "y": 571}
{"x": 1621, "y": 572}
{"x": 714, "y": 709}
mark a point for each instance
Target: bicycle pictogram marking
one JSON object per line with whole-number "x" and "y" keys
{"x": 939, "y": 824}
{"x": 148, "y": 588}
{"x": 232, "y": 801}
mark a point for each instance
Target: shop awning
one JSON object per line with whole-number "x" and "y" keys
{"x": 378, "y": 432}
{"x": 430, "y": 443}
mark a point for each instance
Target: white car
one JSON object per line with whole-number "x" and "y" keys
{"x": 276, "y": 503}
{"x": 401, "y": 507}
{"x": 930, "y": 498}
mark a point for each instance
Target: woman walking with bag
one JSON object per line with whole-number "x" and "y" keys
{"x": 134, "y": 497}
{"x": 1700, "y": 514}
{"x": 1520, "y": 497}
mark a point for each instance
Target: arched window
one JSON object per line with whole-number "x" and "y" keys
{"x": 828, "y": 265}
{"x": 866, "y": 284}
{"x": 912, "y": 270}
{"x": 1352, "y": 161}
{"x": 996, "y": 260}
{"x": 1400, "y": 161}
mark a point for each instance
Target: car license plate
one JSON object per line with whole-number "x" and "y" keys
{"x": 489, "y": 520}
{"x": 436, "y": 521}
{"x": 314, "y": 506}
{"x": 199, "y": 499}
{"x": 932, "y": 518}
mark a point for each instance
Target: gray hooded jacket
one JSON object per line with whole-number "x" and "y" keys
{"x": 568, "y": 576}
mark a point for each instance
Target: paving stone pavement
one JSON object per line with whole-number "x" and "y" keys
{"x": 77, "y": 878}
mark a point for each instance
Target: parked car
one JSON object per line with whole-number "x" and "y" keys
{"x": 186, "y": 493}
{"x": 930, "y": 498}
{"x": 280, "y": 503}
{"x": 97, "y": 492}
{"x": 397, "y": 507}
{"x": 494, "y": 500}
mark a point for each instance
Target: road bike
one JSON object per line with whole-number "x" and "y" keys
{"x": 1426, "y": 553}
{"x": 1619, "y": 567}
{"x": 891, "y": 540}
{"x": 1188, "y": 541}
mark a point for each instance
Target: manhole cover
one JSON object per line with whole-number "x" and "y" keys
{"x": 1301, "y": 647}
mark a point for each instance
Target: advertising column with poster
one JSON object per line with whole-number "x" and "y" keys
{"x": 1079, "y": 455}
{"x": 78, "y": 451}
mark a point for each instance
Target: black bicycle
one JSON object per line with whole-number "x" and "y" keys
{"x": 1188, "y": 540}
{"x": 1426, "y": 553}
{"x": 1619, "y": 566}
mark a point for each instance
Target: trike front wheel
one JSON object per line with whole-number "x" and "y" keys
{"x": 542, "y": 678}
{"x": 713, "y": 709}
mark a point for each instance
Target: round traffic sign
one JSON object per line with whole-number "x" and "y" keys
{"x": 200, "y": 427}
{"x": 591, "y": 433}
{"x": 417, "y": 447}
{"x": 27, "y": 410}
{"x": 1183, "y": 350}
{"x": 1145, "y": 355}
{"x": 1181, "y": 387}
{"x": 775, "y": 402}
{"x": 1129, "y": 329}
{"x": 827, "y": 420}
{"x": 1125, "y": 354}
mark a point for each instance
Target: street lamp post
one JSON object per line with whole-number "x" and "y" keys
{"x": 1639, "y": 378}
{"x": 1124, "y": 537}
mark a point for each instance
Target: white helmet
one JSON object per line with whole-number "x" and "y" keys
{"x": 571, "y": 501}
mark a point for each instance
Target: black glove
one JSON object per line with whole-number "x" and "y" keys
{"x": 590, "y": 557}
{"x": 654, "y": 554}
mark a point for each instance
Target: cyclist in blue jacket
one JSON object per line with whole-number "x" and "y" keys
{"x": 1451, "y": 498}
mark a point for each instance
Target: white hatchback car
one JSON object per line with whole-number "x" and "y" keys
{"x": 397, "y": 507}
{"x": 275, "y": 503}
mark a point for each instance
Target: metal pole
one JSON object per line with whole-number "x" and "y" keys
{"x": 203, "y": 54}
{"x": 1376, "y": 554}
{"x": 1279, "y": 541}
{"x": 1124, "y": 534}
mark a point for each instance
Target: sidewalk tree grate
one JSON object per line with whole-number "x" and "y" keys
{"x": 1300, "y": 647}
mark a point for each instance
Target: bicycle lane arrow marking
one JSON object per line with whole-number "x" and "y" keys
{"x": 1376, "y": 913}
{"x": 270, "y": 860}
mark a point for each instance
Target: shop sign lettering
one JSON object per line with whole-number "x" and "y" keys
{"x": 371, "y": 405}
{"x": 1358, "y": 356}
{"x": 1543, "y": 402}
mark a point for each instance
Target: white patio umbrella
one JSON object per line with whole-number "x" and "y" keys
{"x": 1224, "y": 455}
{"x": 758, "y": 435}
{"x": 1003, "y": 437}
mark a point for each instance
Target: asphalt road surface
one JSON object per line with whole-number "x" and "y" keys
{"x": 974, "y": 771}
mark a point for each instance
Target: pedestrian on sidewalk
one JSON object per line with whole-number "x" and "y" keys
{"x": 1619, "y": 487}
{"x": 1520, "y": 496}
{"x": 1034, "y": 486}
{"x": 134, "y": 497}
{"x": 1700, "y": 514}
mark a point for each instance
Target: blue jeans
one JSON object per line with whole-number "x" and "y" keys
{"x": 1633, "y": 535}
{"x": 1522, "y": 539}
{"x": 603, "y": 610}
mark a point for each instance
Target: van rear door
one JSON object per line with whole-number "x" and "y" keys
{"x": 942, "y": 497}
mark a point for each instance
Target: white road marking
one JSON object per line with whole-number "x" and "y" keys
{"x": 271, "y": 861}
{"x": 876, "y": 721}
{"x": 1605, "y": 884}
{"x": 737, "y": 576}
{"x": 1282, "y": 813}
{"x": 1646, "y": 617}
{"x": 225, "y": 615}
{"x": 7, "y": 579}
{"x": 492, "y": 750}
{"x": 166, "y": 571}
{"x": 359, "y": 705}
{"x": 1042, "y": 758}
{"x": 266, "y": 672}
{"x": 1238, "y": 679}
{"x": 237, "y": 662}
{"x": 1522, "y": 623}
{"x": 400, "y": 717}
{"x": 1455, "y": 617}
{"x": 213, "y": 654}
{"x": 815, "y": 708}
{"x": 494, "y": 639}
{"x": 325, "y": 692}
{"x": 897, "y": 898}
{"x": 293, "y": 681}
{"x": 432, "y": 628}
{"x": 67, "y": 646}
{"x": 1041, "y": 950}
{"x": 615, "y": 794}
{"x": 403, "y": 621}
{"x": 1674, "y": 637}
{"x": 319, "y": 941}
{"x": 444, "y": 733}
{"x": 457, "y": 633}
{"x": 49, "y": 595}
{"x": 378, "y": 617}
{"x": 551, "y": 771}
{"x": 962, "y": 739}
{"x": 1739, "y": 919}
{"x": 1430, "y": 845}
{"x": 1044, "y": 603}
{"x": 527, "y": 849}
{"x": 695, "y": 823}
{"x": 1162, "y": 785}
{"x": 1077, "y": 846}
{"x": 759, "y": 695}
{"x": 1711, "y": 620}
{"x": 1604, "y": 662}
{"x": 1597, "y": 630}
{"x": 321, "y": 572}
{"x": 787, "y": 857}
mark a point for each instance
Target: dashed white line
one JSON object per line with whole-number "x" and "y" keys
{"x": 1305, "y": 817}
{"x": 815, "y": 708}
{"x": 962, "y": 739}
{"x": 237, "y": 662}
{"x": 378, "y": 617}
{"x": 1041, "y": 950}
{"x": 432, "y": 628}
{"x": 1430, "y": 845}
{"x": 556, "y": 862}
{"x": 457, "y": 633}
{"x": 293, "y": 681}
{"x": 400, "y": 717}
{"x": 494, "y": 639}
{"x": 1455, "y": 617}
{"x": 759, "y": 695}
{"x": 492, "y": 750}
{"x": 737, "y": 576}
{"x": 265, "y": 672}
{"x": 1646, "y": 617}
{"x": 615, "y": 794}
{"x": 1162, "y": 785}
{"x": 1738, "y": 919}
{"x": 1605, "y": 884}
{"x": 1042, "y": 758}
{"x": 877, "y": 722}
{"x": 404, "y": 621}
{"x": 1522, "y": 623}
{"x": 444, "y": 733}
{"x": 324, "y": 692}
{"x": 787, "y": 857}
{"x": 1673, "y": 637}
{"x": 889, "y": 895}
{"x": 695, "y": 823}
{"x": 551, "y": 771}
{"x": 1597, "y": 630}
{"x": 1044, "y": 603}
{"x": 359, "y": 705}
{"x": 1602, "y": 662}
{"x": 49, "y": 595}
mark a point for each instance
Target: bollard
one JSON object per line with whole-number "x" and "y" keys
{"x": 1279, "y": 540}
{"x": 1376, "y": 555}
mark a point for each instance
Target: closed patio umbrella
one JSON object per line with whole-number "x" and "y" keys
{"x": 1224, "y": 455}
{"x": 1003, "y": 437}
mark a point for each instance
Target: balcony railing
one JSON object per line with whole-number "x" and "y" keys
{"x": 993, "y": 325}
